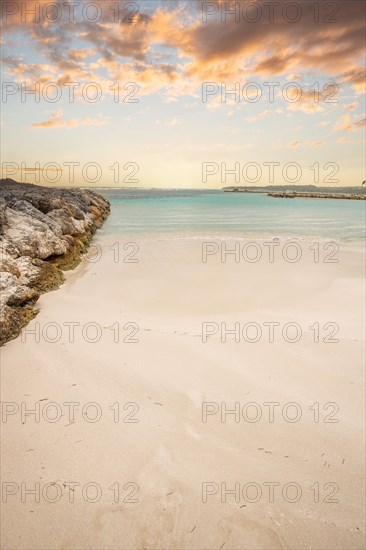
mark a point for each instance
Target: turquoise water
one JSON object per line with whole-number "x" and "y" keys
{"x": 208, "y": 213}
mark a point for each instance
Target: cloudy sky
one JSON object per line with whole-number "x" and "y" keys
{"x": 175, "y": 93}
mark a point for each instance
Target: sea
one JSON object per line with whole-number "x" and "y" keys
{"x": 215, "y": 213}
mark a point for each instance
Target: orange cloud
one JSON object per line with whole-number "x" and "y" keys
{"x": 350, "y": 106}
{"x": 212, "y": 51}
{"x": 308, "y": 101}
{"x": 346, "y": 124}
{"x": 356, "y": 77}
{"x": 315, "y": 143}
{"x": 280, "y": 45}
{"x": 57, "y": 121}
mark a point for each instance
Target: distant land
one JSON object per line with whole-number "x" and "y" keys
{"x": 303, "y": 191}
{"x": 297, "y": 188}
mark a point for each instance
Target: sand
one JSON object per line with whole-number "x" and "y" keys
{"x": 156, "y": 463}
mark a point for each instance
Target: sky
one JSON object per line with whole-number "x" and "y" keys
{"x": 183, "y": 93}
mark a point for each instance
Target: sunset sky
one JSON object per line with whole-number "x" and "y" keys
{"x": 162, "y": 53}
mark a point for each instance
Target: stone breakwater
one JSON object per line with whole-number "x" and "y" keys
{"x": 43, "y": 232}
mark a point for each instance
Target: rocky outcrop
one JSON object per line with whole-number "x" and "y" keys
{"x": 43, "y": 231}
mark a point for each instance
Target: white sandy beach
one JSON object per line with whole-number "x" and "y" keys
{"x": 168, "y": 374}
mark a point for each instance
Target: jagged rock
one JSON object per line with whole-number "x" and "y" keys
{"x": 33, "y": 237}
{"x": 63, "y": 219}
{"x": 8, "y": 248}
{"x": 25, "y": 207}
{"x": 2, "y": 215}
{"x": 8, "y": 286}
{"x": 42, "y": 232}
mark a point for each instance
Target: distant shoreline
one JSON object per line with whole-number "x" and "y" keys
{"x": 295, "y": 195}
{"x": 353, "y": 193}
